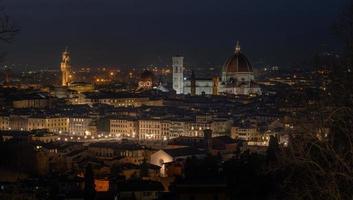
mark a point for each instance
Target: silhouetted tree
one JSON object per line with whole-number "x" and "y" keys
{"x": 8, "y": 30}
{"x": 344, "y": 29}
{"x": 144, "y": 168}
{"x": 272, "y": 150}
{"x": 89, "y": 189}
{"x": 116, "y": 170}
{"x": 318, "y": 162}
{"x": 202, "y": 169}
{"x": 246, "y": 177}
{"x": 341, "y": 76}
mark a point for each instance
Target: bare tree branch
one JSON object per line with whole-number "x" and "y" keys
{"x": 7, "y": 29}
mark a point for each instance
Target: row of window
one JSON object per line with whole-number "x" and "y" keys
{"x": 111, "y": 154}
{"x": 149, "y": 131}
{"x": 116, "y": 101}
{"x": 44, "y": 124}
{"x": 120, "y": 125}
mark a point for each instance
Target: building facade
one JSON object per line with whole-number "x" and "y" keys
{"x": 125, "y": 128}
{"x": 237, "y": 78}
{"x": 4, "y": 122}
{"x": 79, "y": 125}
{"x": 150, "y": 129}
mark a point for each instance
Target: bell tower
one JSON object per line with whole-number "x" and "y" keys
{"x": 65, "y": 68}
{"x": 178, "y": 74}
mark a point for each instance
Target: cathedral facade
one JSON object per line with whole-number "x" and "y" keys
{"x": 237, "y": 78}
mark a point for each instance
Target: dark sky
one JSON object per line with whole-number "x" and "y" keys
{"x": 144, "y": 32}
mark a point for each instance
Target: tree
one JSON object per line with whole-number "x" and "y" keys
{"x": 341, "y": 76}
{"x": 318, "y": 162}
{"x": 89, "y": 189}
{"x": 344, "y": 29}
{"x": 272, "y": 150}
{"x": 144, "y": 168}
{"x": 246, "y": 177}
{"x": 8, "y": 30}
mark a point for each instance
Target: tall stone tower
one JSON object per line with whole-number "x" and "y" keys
{"x": 66, "y": 68}
{"x": 178, "y": 74}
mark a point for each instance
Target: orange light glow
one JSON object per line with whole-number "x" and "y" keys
{"x": 101, "y": 185}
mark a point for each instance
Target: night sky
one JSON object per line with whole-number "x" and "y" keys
{"x": 145, "y": 32}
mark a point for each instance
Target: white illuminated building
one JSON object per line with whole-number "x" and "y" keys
{"x": 237, "y": 78}
{"x": 178, "y": 74}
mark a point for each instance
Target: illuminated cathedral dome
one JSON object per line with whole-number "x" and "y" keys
{"x": 146, "y": 81}
{"x": 147, "y": 76}
{"x": 237, "y": 63}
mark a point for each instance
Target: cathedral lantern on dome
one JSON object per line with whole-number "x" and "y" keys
{"x": 66, "y": 73}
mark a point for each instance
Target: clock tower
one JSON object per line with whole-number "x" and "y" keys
{"x": 66, "y": 68}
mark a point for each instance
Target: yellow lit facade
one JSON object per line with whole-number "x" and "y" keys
{"x": 79, "y": 125}
{"x": 125, "y": 102}
{"x": 4, "y": 122}
{"x": 53, "y": 124}
{"x": 150, "y": 130}
{"x": 31, "y": 103}
{"x": 66, "y": 69}
{"x": 124, "y": 128}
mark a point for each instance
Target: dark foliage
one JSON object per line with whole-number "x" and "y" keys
{"x": 89, "y": 189}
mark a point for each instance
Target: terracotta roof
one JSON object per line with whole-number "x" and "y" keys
{"x": 187, "y": 151}
{"x": 237, "y": 63}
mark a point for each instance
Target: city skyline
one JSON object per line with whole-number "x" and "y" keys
{"x": 175, "y": 100}
{"x": 119, "y": 33}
